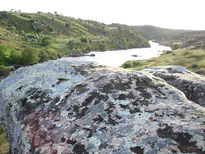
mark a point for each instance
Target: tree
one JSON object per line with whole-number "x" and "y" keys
{"x": 30, "y": 56}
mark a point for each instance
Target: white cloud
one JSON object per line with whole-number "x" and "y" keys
{"x": 186, "y": 14}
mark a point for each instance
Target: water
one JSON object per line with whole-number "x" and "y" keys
{"x": 118, "y": 57}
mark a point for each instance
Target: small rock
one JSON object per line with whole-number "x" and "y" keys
{"x": 134, "y": 55}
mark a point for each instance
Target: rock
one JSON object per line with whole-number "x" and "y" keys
{"x": 78, "y": 107}
{"x": 202, "y": 72}
{"x": 191, "y": 84}
{"x": 134, "y": 55}
{"x": 67, "y": 25}
{"x": 92, "y": 55}
{"x": 76, "y": 54}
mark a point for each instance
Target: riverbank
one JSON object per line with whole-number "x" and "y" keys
{"x": 190, "y": 58}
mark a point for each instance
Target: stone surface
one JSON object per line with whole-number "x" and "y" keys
{"x": 78, "y": 107}
{"x": 191, "y": 84}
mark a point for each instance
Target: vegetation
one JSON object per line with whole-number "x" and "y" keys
{"x": 29, "y": 56}
{"x": 173, "y": 38}
{"x": 54, "y": 30}
{"x": 191, "y": 58}
{"x": 4, "y": 71}
{"x": 4, "y": 148}
{"x": 29, "y": 38}
{"x": 188, "y": 49}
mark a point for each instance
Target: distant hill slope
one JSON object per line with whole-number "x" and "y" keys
{"x": 29, "y": 38}
{"x": 173, "y": 37}
{"x": 191, "y": 55}
{"x": 61, "y": 27}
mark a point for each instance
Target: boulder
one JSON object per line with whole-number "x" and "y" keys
{"x": 61, "y": 107}
{"x": 191, "y": 84}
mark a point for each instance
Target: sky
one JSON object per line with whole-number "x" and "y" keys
{"x": 176, "y": 14}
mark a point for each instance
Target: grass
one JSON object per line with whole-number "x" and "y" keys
{"x": 192, "y": 59}
{"x": 4, "y": 147}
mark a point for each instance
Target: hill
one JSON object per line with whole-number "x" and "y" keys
{"x": 173, "y": 38}
{"x": 188, "y": 49}
{"x": 54, "y": 35}
{"x": 191, "y": 58}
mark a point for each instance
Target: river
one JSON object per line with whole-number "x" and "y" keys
{"x": 118, "y": 57}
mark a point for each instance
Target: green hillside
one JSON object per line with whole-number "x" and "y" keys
{"x": 173, "y": 38}
{"x": 188, "y": 49}
{"x": 51, "y": 36}
{"x": 190, "y": 58}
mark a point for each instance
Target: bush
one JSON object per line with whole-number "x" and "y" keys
{"x": 30, "y": 56}
{"x": 84, "y": 40}
{"x": 176, "y": 45}
{"x": 127, "y": 65}
{"x": 4, "y": 55}
{"x": 43, "y": 55}
{"x": 4, "y": 71}
{"x": 4, "y": 148}
{"x": 46, "y": 41}
{"x": 194, "y": 65}
{"x": 52, "y": 53}
{"x": 15, "y": 58}
{"x": 136, "y": 63}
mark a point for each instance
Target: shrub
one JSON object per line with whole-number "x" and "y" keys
{"x": 15, "y": 58}
{"x": 4, "y": 148}
{"x": 101, "y": 47}
{"x": 127, "y": 65}
{"x": 29, "y": 56}
{"x": 84, "y": 40}
{"x": 194, "y": 65}
{"x": 43, "y": 55}
{"x": 135, "y": 63}
{"x": 46, "y": 41}
{"x": 176, "y": 45}
{"x": 4, "y": 55}
{"x": 52, "y": 53}
{"x": 4, "y": 71}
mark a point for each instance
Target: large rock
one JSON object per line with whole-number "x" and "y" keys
{"x": 78, "y": 107}
{"x": 191, "y": 84}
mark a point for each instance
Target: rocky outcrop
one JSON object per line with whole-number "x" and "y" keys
{"x": 79, "y": 107}
{"x": 191, "y": 84}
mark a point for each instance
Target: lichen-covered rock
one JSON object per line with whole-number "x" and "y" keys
{"x": 77, "y": 107}
{"x": 191, "y": 84}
